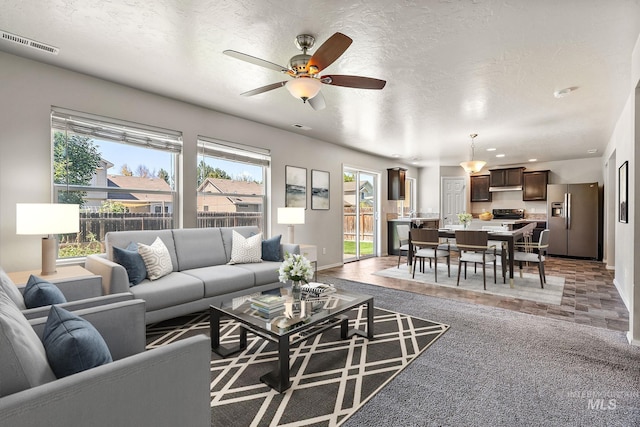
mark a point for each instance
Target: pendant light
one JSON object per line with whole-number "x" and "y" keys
{"x": 473, "y": 165}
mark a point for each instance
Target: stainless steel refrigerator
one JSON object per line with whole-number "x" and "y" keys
{"x": 573, "y": 219}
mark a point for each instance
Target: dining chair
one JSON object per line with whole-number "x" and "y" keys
{"x": 428, "y": 245}
{"x": 534, "y": 253}
{"x": 402, "y": 231}
{"x": 474, "y": 247}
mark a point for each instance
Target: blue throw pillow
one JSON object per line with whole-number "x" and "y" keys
{"x": 132, "y": 261}
{"x": 39, "y": 293}
{"x": 271, "y": 249}
{"x": 72, "y": 344}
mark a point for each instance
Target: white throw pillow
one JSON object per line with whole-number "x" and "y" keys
{"x": 156, "y": 259}
{"x": 246, "y": 250}
{"x": 9, "y": 288}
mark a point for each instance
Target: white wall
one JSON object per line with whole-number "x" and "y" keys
{"x": 30, "y": 89}
{"x": 623, "y": 146}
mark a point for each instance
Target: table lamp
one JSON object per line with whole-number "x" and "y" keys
{"x": 48, "y": 219}
{"x": 291, "y": 216}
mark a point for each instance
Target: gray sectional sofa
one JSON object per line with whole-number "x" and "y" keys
{"x": 200, "y": 276}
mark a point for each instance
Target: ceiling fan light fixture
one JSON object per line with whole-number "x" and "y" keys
{"x": 473, "y": 166}
{"x": 303, "y": 87}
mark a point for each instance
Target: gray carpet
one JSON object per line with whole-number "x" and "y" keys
{"x": 497, "y": 367}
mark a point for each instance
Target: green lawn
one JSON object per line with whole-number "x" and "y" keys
{"x": 366, "y": 248}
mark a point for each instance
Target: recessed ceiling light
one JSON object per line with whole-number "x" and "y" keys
{"x": 592, "y": 151}
{"x": 533, "y": 160}
{"x": 303, "y": 127}
{"x": 491, "y": 149}
{"x": 499, "y": 155}
{"x": 560, "y": 93}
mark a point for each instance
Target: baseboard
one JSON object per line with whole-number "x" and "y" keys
{"x": 622, "y": 294}
{"x": 326, "y": 267}
{"x": 631, "y": 340}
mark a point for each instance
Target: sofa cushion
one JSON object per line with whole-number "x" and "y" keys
{"x": 227, "y": 236}
{"x": 263, "y": 273}
{"x": 12, "y": 291}
{"x": 22, "y": 355}
{"x": 168, "y": 291}
{"x": 122, "y": 239}
{"x": 156, "y": 259}
{"x": 132, "y": 261}
{"x": 271, "y": 249}
{"x": 246, "y": 250}
{"x": 199, "y": 247}
{"x": 39, "y": 293}
{"x": 223, "y": 279}
{"x": 72, "y": 344}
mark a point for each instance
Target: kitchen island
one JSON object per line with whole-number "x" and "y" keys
{"x": 419, "y": 222}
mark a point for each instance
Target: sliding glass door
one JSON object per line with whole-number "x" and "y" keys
{"x": 360, "y": 214}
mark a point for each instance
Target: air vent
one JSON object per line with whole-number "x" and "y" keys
{"x": 29, "y": 43}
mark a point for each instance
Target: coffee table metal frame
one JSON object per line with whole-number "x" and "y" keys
{"x": 338, "y": 303}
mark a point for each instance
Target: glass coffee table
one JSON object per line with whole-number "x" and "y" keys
{"x": 301, "y": 319}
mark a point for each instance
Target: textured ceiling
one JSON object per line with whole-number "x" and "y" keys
{"x": 452, "y": 67}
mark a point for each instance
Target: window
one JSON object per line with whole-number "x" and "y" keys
{"x": 407, "y": 206}
{"x": 121, "y": 174}
{"x": 231, "y": 184}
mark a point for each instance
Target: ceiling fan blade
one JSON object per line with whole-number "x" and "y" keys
{"x": 353, "y": 81}
{"x": 255, "y": 61}
{"x": 328, "y": 52}
{"x": 317, "y": 102}
{"x": 264, "y": 89}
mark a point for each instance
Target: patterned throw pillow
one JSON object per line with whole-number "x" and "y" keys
{"x": 156, "y": 259}
{"x": 246, "y": 250}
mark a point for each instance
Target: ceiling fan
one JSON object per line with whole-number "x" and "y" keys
{"x": 304, "y": 70}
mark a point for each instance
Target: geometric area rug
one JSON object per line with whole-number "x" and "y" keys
{"x": 332, "y": 378}
{"x": 526, "y": 287}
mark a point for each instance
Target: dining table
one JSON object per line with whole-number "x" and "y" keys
{"x": 509, "y": 236}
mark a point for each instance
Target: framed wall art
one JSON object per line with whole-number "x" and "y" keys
{"x": 623, "y": 192}
{"x": 319, "y": 190}
{"x": 295, "y": 187}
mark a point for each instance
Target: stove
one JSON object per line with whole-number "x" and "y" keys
{"x": 508, "y": 213}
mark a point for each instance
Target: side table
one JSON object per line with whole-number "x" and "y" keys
{"x": 310, "y": 252}
{"x": 74, "y": 275}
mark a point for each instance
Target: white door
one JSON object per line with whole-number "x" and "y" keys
{"x": 360, "y": 213}
{"x": 454, "y": 199}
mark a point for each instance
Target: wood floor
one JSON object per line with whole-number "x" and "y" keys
{"x": 589, "y": 297}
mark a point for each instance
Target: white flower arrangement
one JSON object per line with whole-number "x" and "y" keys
{"x": 296, "y": 268}
{"x": 465, "y": 218}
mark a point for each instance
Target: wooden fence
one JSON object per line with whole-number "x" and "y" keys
{"x": 366, "y": 222}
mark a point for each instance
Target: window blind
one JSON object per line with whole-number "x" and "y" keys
{"x": 234, "y": 152}
{"x": 116, "y": 130}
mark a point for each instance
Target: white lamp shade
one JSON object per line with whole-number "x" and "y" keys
{"x": 473, "y": 166}
{"x": 304, "y": 87}
{"x": 290, "y": 216}
{"x": 47, "y": 218}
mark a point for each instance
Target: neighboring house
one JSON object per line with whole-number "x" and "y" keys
{"x": 94, "y": 199}
{"x": 141, "y": 202}
{"x": 219, "y": 195}
{"x": 364, "y": 194}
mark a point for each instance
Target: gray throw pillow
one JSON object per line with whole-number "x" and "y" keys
{"x": 24, "y": 362}
{"x": 39, "y": 293}
{"x": 72, "y": 344}
{"x": 12, "y": 291}
{"x": 132, "y": 261}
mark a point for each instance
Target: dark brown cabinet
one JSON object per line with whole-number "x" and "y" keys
{"x": 511, "y": 177}
{"x": 395, "y": 183}
{"x": 535, "y": 185}
{"x": 480, "y": 188}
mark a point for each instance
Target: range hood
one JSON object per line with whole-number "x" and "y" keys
{"x": 506, "y": 188}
